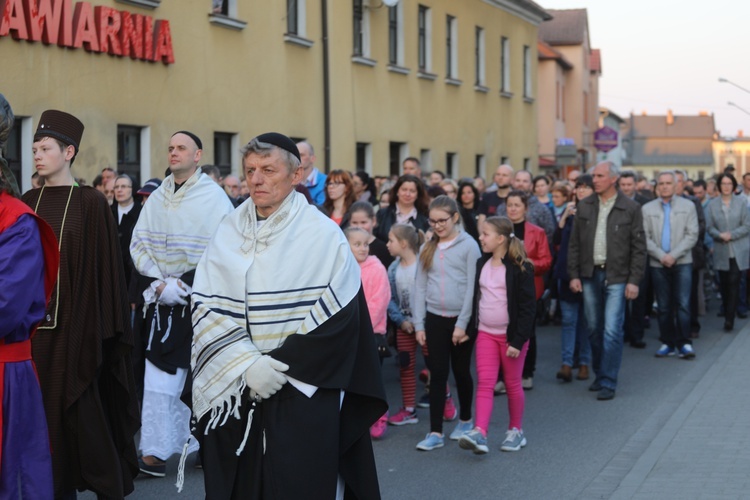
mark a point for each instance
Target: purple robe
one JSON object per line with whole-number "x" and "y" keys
{"x": 25, "y": 440}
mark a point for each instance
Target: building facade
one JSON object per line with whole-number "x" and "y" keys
{"x": 655, "y": 143}
{"x": 569, "y": 78}
{"x": 366, "y": 84}
{"x": 732, "y": 152}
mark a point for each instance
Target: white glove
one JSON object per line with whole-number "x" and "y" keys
{"x": 265, "y": 377}
{"x": 173, "y": 293}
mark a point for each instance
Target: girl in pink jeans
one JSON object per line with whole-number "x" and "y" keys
{"x": 503, "y": 315}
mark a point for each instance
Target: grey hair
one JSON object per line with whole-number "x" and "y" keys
{"x": 682, "y": 173}
{"x": 265, "y": 149}
{"x": 614, "y": 170}
{"x": 312, "y": 151}
{"x": 673, "y": 173}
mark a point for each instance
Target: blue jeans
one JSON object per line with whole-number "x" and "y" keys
{"x": 604, "y": 305}
{"x": 574, "y": 332}
{"x": 672, "y": 287}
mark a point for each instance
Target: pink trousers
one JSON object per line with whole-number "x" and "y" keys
{"x": 491, "y": 352}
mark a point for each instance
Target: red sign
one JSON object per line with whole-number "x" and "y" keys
{"x": 605, "y": 139}
{"x": 96, "y": 29}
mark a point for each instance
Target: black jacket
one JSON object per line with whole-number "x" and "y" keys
{"x": 386, "y": 218}
{"x": 626, "y": 241}
{"x": 521, "y": 301}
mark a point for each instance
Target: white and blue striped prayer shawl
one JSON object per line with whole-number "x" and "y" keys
{"x": 286, "y": 277}
{"x": 174, "y": 227}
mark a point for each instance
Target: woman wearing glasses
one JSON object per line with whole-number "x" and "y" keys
{"x": 729, "y": 226}
{"x": 441, "y": 313}
{"x": 339, "y": 197}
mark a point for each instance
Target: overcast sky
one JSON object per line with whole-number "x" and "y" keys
{"x": 668, "y": 54}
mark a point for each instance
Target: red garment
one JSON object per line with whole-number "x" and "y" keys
{"x": 537, "y": 249}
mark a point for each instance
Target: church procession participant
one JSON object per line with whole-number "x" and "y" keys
{"x": 291, "y": 319}
{"x": 82, "y": 349}
{"x": 168, "y": 240}
{"x": 29, "y": 261}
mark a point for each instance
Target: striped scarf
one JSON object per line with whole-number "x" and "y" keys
{"x": 174, "y": 228}
{"x": 255, "y": 286}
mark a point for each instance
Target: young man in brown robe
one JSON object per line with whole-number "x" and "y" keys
{"x": 82, "y": 348}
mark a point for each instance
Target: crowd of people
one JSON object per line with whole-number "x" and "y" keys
{"x": 245, "y": 318}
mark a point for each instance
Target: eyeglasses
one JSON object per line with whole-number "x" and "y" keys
{"x": 438, "y": 222}
{"x": 121, "y": 186}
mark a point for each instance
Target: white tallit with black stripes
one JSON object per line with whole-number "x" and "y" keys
{"x": 267, "y": 281}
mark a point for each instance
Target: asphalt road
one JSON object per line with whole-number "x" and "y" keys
{"x": 574, "y": 441}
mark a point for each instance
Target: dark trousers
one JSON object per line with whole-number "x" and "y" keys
{"x": 529, "y": 364}
{"x": 730, "y": 290}
{"x": 635, "y": 311}
{"x": 439, "y": 332}
{"x": 672, "y": 288}
{"x": 695, "y": 325}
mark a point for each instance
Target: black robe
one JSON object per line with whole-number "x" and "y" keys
{"x": 308, "y": 441}
{"x": 82, "y": 349}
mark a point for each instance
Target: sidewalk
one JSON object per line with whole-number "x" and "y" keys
{"x": 703, "y": 448}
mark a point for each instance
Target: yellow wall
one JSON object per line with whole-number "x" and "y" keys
{"x": 250, "y": 81}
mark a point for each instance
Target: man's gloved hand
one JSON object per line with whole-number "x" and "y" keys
{"x": 265, "y": 376}
{"x": 173, "y": 294}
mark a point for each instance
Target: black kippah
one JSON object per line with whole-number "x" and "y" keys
{"x": 192, "y": 136}
{"x": 281, "y": 141}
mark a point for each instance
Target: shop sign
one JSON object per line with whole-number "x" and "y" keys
{"x": 95, "y": 29}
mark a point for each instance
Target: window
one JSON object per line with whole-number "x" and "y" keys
{"x": 557, "y": 100}
{"x": 223, "y": 149}
{"x": 129, "y": 151}
{"x": 364, "y": 157}
{"x": 527, "y": 164}
{"x": 480, "y": 166}
{"x": 396, "y": 35}
{"x": 479, "y": 77}
{"x": 451, "y": 47}
{"x": 424, "y": 35}
{"x": 13, "y": 153}
{"x": 562, "y": 101}
{"x": 292, "y": 17}
{"x": 451, "y": 165}
{"x": 425, "y": 158}
{"x": 586, "y": 108}
{"x": 396, "y": 152}
{"x": 504, "y": 160}
{"x": 224, "y": 13}
{"x": 527, "y": 92}
{"x": 505, "y": 65}
{"x": 361, "y": 25}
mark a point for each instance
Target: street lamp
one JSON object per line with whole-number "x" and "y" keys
{"x": 739, "y": 107}
{"x": 724, "y": 80}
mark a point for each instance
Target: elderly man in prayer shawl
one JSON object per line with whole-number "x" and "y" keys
{"x": 264, "y": 316}
{"x": 28, "y": 270}
{"x": 172, "y": 231}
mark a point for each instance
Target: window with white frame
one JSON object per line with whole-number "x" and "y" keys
{"x": 505, "y": 65}
{"x": 226, "y": 152}
{"x": 480, "y": 166}
{"x": 361, "y": 29}
{"x": 129, "y": 151}
{"x": 527, "y": 91}
{"x": 224, "y": 13}
{"x": 364, "y": 157}
{"x": 479, "y": 53}
{"x": 396, "y": 34}
{"x": 451, "y": 47}
{"x": 451, "y": 165}
{"x": 296, "y": 23}
{"x": 424, "y": 39}
{"x": 425, "y": 159}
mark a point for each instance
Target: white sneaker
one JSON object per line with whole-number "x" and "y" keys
{"x": 514, "y": 440}
{"x": 500, "y": 388}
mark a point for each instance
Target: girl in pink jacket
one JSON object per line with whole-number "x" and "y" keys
{"x": 377, "y": 290}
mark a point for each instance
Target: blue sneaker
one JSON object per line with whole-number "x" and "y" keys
{"x": 430, "y": 442}
{"x": 514, "y": 440}
{"x": 461, "y": 429}
{"x": 475, "y": 441}
{"x": 665, "y": 351}
{"x": 687, "y": 352}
